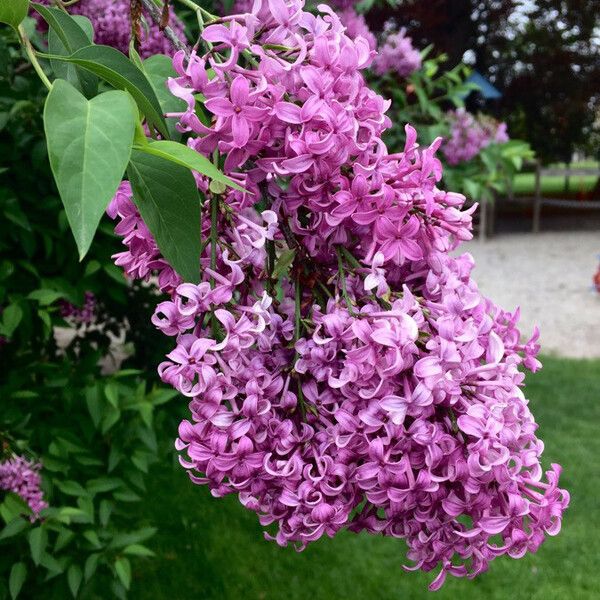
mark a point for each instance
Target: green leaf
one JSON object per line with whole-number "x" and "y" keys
{"x": 38, "y": 539}
{"x": 11, "y": 317}
{"x": 13, "y": 528}
{"x": 111, "y": 391}
{"x": 158, "y": 69}
{"x": 14, "y": 506}
{"x": 85, "y": 81}
{"x": 123, "y": 570}
{"x": 104, "y": 512}
{"x": 18, "y": 574}
{"x": 75, "y": 515}
{"x": 111, "y": 417}
{"x": 138, "y": 550}
{"x": 74, "y": 577}
{"x": 12, "y": 12}
{"x": 103, "y": 484}
{"x": 89, "y": 143}
{"x": 71, "y": 488}
{"x": 134, "y": 537}
{"x": 92, "y": 537}
{"x": 94, "y": 405}
{"x": 115, "y": 68}
{"x": 45, "y": 297}
{"x": 63, "y": 538}
{"x": 91, "y": 564}
{"x": 168, "y": 200}
{"x": 187, "y": 157}
{"x": 53, "y": 566}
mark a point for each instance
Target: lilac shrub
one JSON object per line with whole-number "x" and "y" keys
{"x": 342, "y": 367}
{"x": 22, "y": 477}
{"x": 112, "y": 26}
{"x": 469, "y": 134}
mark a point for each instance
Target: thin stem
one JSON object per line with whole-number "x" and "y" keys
{"x": 33, "y": 58}
{"x": 297, "y": 332}
{"x": 214, "y": 233}
{"x": 351, "y": 258}
{"x": 60, "y": 4}
{"x": 297, "y": 308}
{"x": 214, "y": 240}
{"x": 197, "y": 8}
{"x": 342, "y": 279}
{"x": 270, "y": 266}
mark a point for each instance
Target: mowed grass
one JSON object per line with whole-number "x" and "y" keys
{"x": 213, "y": 549}
{"x": 524, "y": 183}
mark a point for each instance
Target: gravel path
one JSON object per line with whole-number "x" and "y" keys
{"x": 550, "y": 276}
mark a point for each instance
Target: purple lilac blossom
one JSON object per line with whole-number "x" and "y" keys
{"x": 397, "y": 55}
{"x": 469, "y": 134}
{"x": 381, "y": 396}
{"x": 112, "y": 26}
{"x": 22, "y": 477}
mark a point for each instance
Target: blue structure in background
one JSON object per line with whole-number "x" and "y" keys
{"x": 486, "y": 89}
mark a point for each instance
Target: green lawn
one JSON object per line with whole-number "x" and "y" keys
{"x": 524, "y": 183}
{"x": 213, "y": 549}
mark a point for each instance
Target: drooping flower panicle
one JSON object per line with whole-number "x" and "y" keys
{"x": 370, "y": 385}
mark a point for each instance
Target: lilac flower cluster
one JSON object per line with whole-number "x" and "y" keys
{"x": 469, "y": 134}
{"x": 22, "y": 477}
{"x": 112, "y": 26}
{"x": 396, "y": 54}
{"x": 370, "y": 386}
{"x": 80, "y": 315}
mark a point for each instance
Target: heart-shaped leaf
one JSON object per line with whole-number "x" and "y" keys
{"x": 89, "y": 144}
{"x": 115, "y": 68}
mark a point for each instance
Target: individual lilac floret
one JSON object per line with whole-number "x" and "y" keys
{"x": 112, "y": 26}
{"x": 397, "y": 55}
{"x": 22, "y": 477}
{"x": 368, "y": 385}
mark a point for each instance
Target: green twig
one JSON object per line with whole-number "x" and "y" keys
{"x": 33, "y": 58}
{"x": 214, "y": 215}
{"x": 60, "y": 5}
{"x": 342, "y": 280}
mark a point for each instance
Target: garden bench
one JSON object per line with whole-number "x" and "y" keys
{"x": 539, "y": 200}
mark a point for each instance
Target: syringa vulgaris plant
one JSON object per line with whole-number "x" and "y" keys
{"x": 343, "y": 369}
